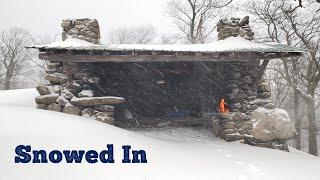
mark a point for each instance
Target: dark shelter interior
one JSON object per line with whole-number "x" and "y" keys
{"x": 163, "y": 89}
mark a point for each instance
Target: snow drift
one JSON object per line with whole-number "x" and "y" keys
{"x": 172, "y": 153}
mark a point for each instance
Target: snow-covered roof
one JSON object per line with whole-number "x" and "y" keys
{"x": 231, "y": 44}
{"x": 230, "y": 49}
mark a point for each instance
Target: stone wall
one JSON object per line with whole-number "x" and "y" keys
{"x": 69, "y": 88}
{"x": 74, "y": 97}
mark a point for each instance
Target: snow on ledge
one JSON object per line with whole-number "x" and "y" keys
{"x": 228, "y": 45}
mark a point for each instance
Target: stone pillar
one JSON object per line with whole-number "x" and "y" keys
{"x": 234, "y": 27}
{"x": 84, "y": 29}
{"x": 249, "y": 120}
{"x": 71, "y": 87}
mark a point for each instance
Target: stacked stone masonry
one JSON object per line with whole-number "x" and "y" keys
{"x": 74, "y": 89}
{"x": 84, "y": 29}
{"x": 247, "y": 95}
{"x": 234, "y": 27}
{"x": 74, "y": 97}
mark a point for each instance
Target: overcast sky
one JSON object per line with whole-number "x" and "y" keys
{"x": 44, "y": 16}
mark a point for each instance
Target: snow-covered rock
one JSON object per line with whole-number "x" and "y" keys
{"x": 272, "y": 124}
{"x": 86, "y": 93}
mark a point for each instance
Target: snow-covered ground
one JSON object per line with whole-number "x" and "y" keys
{"x": 172, "y": 153}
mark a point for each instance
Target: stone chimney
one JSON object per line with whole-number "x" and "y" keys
{"x": 234, "y": 27}
{"x": 84, "y": 29}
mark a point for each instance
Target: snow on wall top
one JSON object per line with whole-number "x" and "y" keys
{"x": 231, "y": 44}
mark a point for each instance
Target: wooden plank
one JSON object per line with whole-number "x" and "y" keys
{"x": 216, "y": 57}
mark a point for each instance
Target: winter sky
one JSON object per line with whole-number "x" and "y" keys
{"x": 44, "y": 16}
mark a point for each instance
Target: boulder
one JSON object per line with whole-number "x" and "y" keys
{"x": 70, "y": 109}
{"x": 43, "y": 90}
{"x": 47, "y": 99}
{"x": 272, "y": 124}
{"x": 95, "y": 101}
{"x": 56, "y": 78}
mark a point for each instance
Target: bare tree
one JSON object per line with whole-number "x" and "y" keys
{"x": 132, "y": 35}
{"x": 298, "y": 27}
{"x": 169, "y": 38}
{"x": 13, "y": 55}
{"x": 194, "y": 18}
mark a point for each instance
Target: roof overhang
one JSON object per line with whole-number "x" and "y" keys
{"x": 158, "y": 56}
{"x": 230, "y": 49}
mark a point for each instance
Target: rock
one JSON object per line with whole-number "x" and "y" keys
{"x": 104, "y": 108}
{"x": 236, "y": 106}
{"x": 42, "y": 106}
{"x": 240, "y": 117}
{"x": 47, "y": 99}
{"x": 86, "y": 93}
{"x": 230, "y": 131}
{"x": 272, "y": 124}
{"x": 105, "y": 118}
{"x": 216, "y": 127}
{"x": 87, "y": 112}
{"x": 247, "y": 79}
{"x": 94, "y": 23}
{"x": 95, "y": 101}
{"x": 74, "y": 87}
{"x": 252, "y": 107}
{"x": 263, "y": 87}
{"x": 70, "y": 109}
{"x": 53, "y": 65}
{"x": 43, "y": 90}
{"x": 251, "y": 98}
{"x": 57, "y": 89}
{"x": 232, "y": 137}
{"x": 265, "y": 95}
{"x": 229, "y": 125}
{"x": 247, "y": 125}
{"x": 54, "y": 107}
{"x": 260, "y": 102}
{"x": 67, "y": 94}
{"x": 62, "y": 101}
{"x": 56, "y": 78}
{"x": 269, "y": 106}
